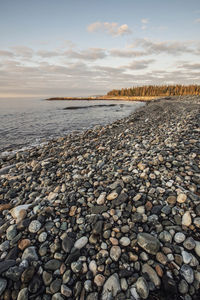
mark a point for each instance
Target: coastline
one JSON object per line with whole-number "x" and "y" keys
{"x": 108, "y": 206}
{"x": 107, "y": 98}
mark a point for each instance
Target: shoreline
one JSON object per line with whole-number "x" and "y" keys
{"x": 112, "y": 212}
{"x": 107, "y": 98}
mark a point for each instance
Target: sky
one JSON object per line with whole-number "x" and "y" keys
{"x": 89, "y": 47}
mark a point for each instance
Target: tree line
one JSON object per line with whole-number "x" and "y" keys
{"x": 157, "y": 90}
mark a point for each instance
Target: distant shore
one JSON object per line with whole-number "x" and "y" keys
{"x": 124, "y": 98}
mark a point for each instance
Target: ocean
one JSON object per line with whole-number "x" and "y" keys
{"x": 28, "y": 122}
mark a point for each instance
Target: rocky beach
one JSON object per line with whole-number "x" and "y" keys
{"x": 110, "y": 213}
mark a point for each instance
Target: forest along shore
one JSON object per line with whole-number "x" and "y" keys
{"x": 111, "y": 213}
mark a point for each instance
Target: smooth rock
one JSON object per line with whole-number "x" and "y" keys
{"x": 6, "y": 264}
{"x": 152, "y": 274}
{"x": 148, "y": 242}
{"x": 52, "y": 264}
{"x": 23, "y": 294}
{"x": 3, "y": 284}
{"x": 30, "y": 254}
{"x": 181, "y": 198}
{"x": 34, "y": 226}
{"x": 18, "y": 212}
{"x": 188, "y": 273}
{"x": 101, "y": 199}
{"x": 111, "y": 287}
{"x": 99, "y": 280}
{"x": 67, "y": 244}
{"x": 112, "y": 196}
{"x": 66, "y": 291}
{"x": 124, "y": 241}
{"x": 189, "y": 243}
{"x": 179, "y": 237}
{"x": 142, "y": 288}
{"x": 186, "y": 219}
{"x": 80, "y": 243}
{"x": 115, "y": 253}
{"x": 197, "y": 222}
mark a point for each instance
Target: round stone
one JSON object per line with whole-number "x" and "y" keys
{"x": 125, "y": 241}
{"x": 181, "y": 198}
{"x": 115, "y": 253}
{"x": 112, "y": 196}
{"x": 189, "y": 243}
{"x": 80, "y": 243}
{"x": 34, "y": 226}
{"x": 3, "y": 284}
{"x": 101, "y": 199}
{"x": 188, "y": 273}
{"x": 186, "y": 219}
{"x": 42, "y": 237}
{"x": 99, "y": 280}
{"x": 142, "y": 288}
{"x": 179, "y": 237}
{"x": 148, "y": 242}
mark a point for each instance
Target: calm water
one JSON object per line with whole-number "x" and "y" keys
{"x": 26, "y": 122}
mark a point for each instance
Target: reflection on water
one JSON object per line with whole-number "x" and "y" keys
{"x": 31, "y": 121}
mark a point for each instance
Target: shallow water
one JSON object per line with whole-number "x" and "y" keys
{"x": 25, "y": 122}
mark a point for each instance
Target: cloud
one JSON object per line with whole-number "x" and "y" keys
{"x": 190, "y": 66}
{"x": 144, "y": 22}
{"x": 47, "y": 54}
{"x": 23, "y": 51}
{"x": 6, "y": 53}
{"x": 197, "y": 21}
{"x": 126, "y": 53}
{"x": 89, "y": 54}
{"x": 139, "y": 64}
{"x": 157, "y": 47}
{"x": 113, "y": 28}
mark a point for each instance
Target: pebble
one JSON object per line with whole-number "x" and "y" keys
{"x": 34, "y": 226}
{"x": 115, "y": 253}
{"x": 80, "y": 243}
{"x": 148, "y": 242}
{"x": 99, "y": 280}
{"x": 3, "y": 284}
{"x": 181, "y": 198}
{"x": 179, "y": 237}
{"x": 142, "y": 288}
{"x": 111, "y": 287}
{"x": 188, "y": 274}
{"x": 186, "y": 219}
{"x": 152, "y": 274}
{"x": 125, "y": 241}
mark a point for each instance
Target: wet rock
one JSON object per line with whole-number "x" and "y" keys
{"x": 111, "y": 287}
{"x": 80, "y": 243}
{"x": 34, "y": 226}
{"x": 30, "y": 254}
{"x": 148, "y": 242}
{"x": 186, "y": 219}
{"x": 188, "y": 274}
{"x": 3, "y": 284}
{"x": 124, "y": 241}
{"x": 115, "y": 253}
{"x": 142, "y": 288}
{"x": 67, "y": 244}
{"x": 5, "y": 265}
{"x": 152, "y": 274}
{"x": 52, "y": 264}
{"x": 23, "y": 294}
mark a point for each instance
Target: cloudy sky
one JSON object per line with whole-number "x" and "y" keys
{"x": 88, "y": 47}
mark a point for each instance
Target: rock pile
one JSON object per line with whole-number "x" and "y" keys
{"x": 111, "y": 213}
